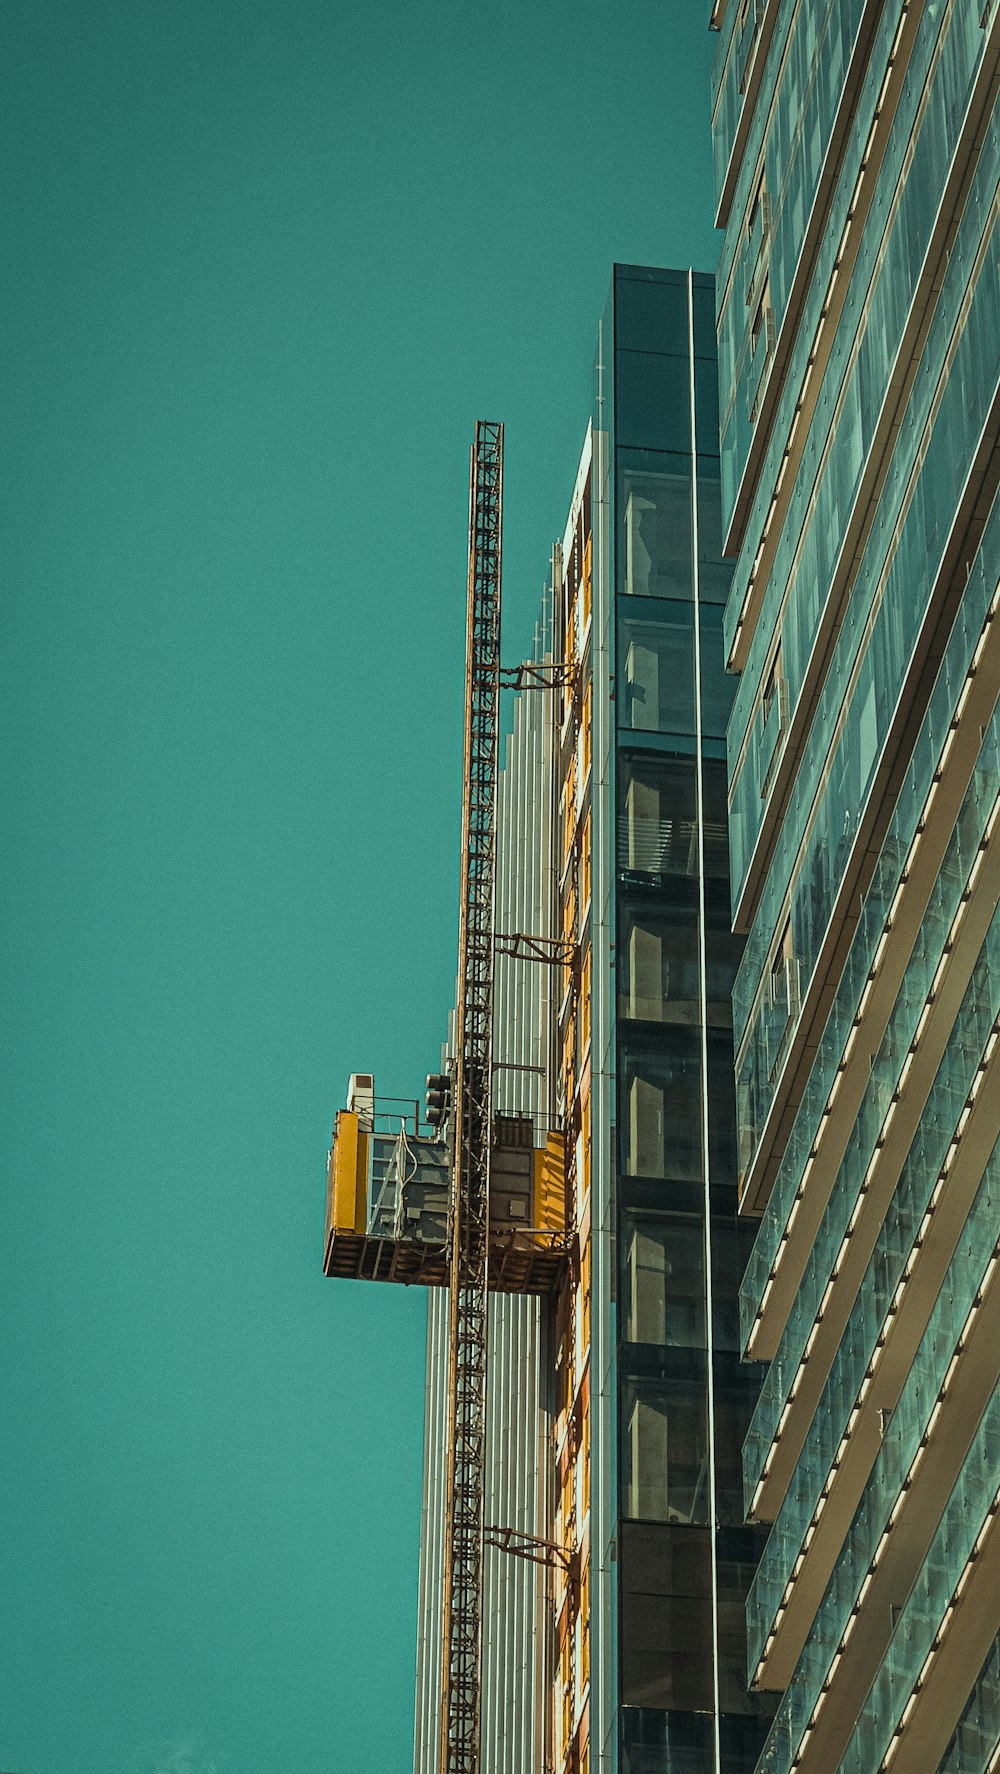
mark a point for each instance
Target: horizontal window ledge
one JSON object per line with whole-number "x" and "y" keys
{"x": 891, "y": 1149}
{"x": 914, "y": 696}
{"x": 791, "y": 318}
{"x": 968, "y": 1383}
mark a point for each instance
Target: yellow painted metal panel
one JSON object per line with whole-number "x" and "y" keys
{"x": 550, "y": 1185}
{"x": 361, "y": 1198}
{"x": 349, "y": 1168}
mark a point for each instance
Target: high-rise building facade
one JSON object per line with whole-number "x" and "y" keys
{"x": 675, "y": 1556}
{"x": 857, "y": 163}
{"x": 618, "y": 1408}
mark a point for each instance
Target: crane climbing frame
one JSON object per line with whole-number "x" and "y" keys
{"x": 416, "y": 1206}
{"x": 467, "y": 1326}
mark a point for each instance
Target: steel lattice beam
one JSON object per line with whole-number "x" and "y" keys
{"x": 465, "y": 1484}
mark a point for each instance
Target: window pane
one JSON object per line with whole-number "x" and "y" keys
{"x": 660, "y": 1111}
{"x": 731, "y": 1241}
{"x": 706, "y": 398}
{"x": 736, "y": 1389}
{"x": 651, "y": 314}
{"x": 724, "y": 950}
{"x": 656, "y": 537}
{"x": 716, "y": 821}
{"x": 722, "y": 1145}
{"x": 665, "y": 1453}
{"x": 658, "y": 961}
{"x": 661, "y": 1742}
{"x": 709, "y": 518}
{"x": 657, "y": 827}
{"x": 656, "y": 651}
{"x": 667, "y": 1618}
{"x": 653, "y": 402}
{"x": 663, "y": 1286}
{"x": 718, "y": 687}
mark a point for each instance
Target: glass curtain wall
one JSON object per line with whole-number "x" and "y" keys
{"x": 685, "y": 1561}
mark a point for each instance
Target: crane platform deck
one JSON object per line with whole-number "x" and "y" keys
{"x": 521, "y": 1265}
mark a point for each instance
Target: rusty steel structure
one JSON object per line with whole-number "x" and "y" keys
{"x": 469, "y": 1229}
{"x": 552, "y": 951}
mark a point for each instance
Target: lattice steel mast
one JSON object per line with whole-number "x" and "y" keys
{"x": 463, "y": 1532}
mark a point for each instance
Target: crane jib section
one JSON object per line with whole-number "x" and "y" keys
{"x": 469, "y": 1225}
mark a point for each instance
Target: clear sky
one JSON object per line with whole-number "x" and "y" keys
{"x": 264, "y": 263}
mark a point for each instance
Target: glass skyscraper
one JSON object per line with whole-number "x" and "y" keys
{"x": 857, "y": 163}
{"x": 676, "y": 1391}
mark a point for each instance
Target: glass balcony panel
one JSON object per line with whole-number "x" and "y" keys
{"x": 964, "y": 1514}
{"x": 973, "y": 1746}
{"x": 962, "y": 641}
{"x": 825, "y": 504}
{"x": 857, "y": 1347}
{"x": 944, "y": 1105}
{"x": 960, "y": 1524}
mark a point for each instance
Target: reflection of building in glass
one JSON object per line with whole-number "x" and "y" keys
{"x": 618, "y": 1411}
{"x": 857, "y": 156}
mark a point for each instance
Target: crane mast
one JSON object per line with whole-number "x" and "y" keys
{"x": 461, "y": 1661}
{"x": 413, "y": 1205}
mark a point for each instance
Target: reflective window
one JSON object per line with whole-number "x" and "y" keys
{"x": 656, "y": 677}
{"x": 657, "y": 825}
{"x": 663, "y": 1283}
{"x": 722, "y": 1139}
{"x": 731, "y": 1244}
{"x": 736, "y": 1391}
{"x": 657, "y": 954}
{"x": 653, "y": 402}
{"x": 657, "y": 819}
{"x": 658, "y": 960}
{"x": 659, "y": 1124}
{"x": 723, "y": 951}
{"x": 676, "y": 1742}
{"x": 667, "y": 1742}
{"x": 666, "y": 1581}
{"x": 651, "y": 314}
{"x": 664, "y": 1452}
{"x": 718, "y": 687}
{"x": 657, "y": 536}
{"x": 716, "y": 809}
{"x": 706, "y": 404}
{"x": 703, "y": 301}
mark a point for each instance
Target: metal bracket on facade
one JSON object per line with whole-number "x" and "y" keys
{"x": 554, "y": 951}
{"x": 557, "y": 675}
{"x": 528, "y": 1546}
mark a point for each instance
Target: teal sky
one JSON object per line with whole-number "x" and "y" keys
{"x": 264, "y": 263}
